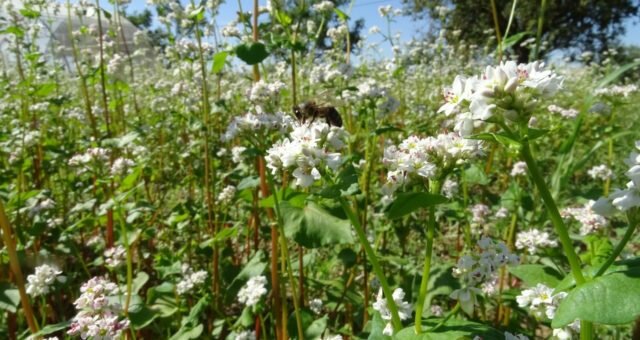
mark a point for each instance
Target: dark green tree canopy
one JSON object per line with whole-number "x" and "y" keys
{"x": 575, "y": 25}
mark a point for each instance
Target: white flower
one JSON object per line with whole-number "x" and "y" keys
{"x": 502, "y": 213}
{"x": 601, "y": 171}
{"x": 226, "y": 195}
{"x": 590, "y": 220}
{"x": 480, "y": 212}
{"x": 40, "y": 282}
{"x": 253, "y": 290}
{"x": 450, "y": 188}
{"x": 97, "y": 316}
{"x": 324, "y": 6}
{"x": 380, "y": 305}
{"x": 519, "y": 169}
{"x": 540, "y": 300}
{"x": 307, "y": 151}
{"x": 384, "y": 11}
{"x": 115, "y": 256}
{"x": 316, "y": 306}
{"x": 190, "y": 279}
{"x": 245, "y": 335}
{"x": 455, "y": 95}
{"x": 532, "y": 240}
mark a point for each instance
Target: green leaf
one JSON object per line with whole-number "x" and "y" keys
{"x": 612, "y": 299}
{"x": 252, "y": 53}
{"x": 219, "y": 60}
{"x": 142, "y": 317}
{"x": 197, "y": 14}
{"x": 9, "y": 297}
{"x": 452, "y": 329}
{"x": 162, "y": 299}
{"x": 408, "y": 202}
{"x": 15, "y": 30}
{"x": 187, "y": 333}
{"x": 502, "y": 138}
{"x": 341, "y": 15}
{"x": 312, "y": 329}
{"x": 48, "y": 329}
{"x": 30, "y": 13}
{"x": 313, "y": 227}
{"x": 295, "y": 198}
{"x": 476, "y": 175}
{"x": 386, "y": 129}
{"x": 536, "y": 133}
{"x": 532, "y": 274}
{"x": 283, "y": 18}
{"x": 139, "y": 281}
{"x": 45, "y": 89}
{"x": 512, "y": 40}
{"x": 377, "y": 326}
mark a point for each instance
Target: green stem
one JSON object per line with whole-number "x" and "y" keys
{"x": 558, "y": 224}
{"x": 554, "y": 215}
{"x": 426, "y": 270}
{"x": 453, "y": 312}
{"x": 285, "y": 252}
{"x": 371, "y": 256}
{"x": 543, "y": 7}
{"x": 619, "y": 247}
{"x": 125, "y": 240}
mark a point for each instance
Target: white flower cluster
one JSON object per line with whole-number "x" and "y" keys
{"x": 190, "y": 279}
{"x": 601, "y": 171}
{"x": 450, "y": 188}
{"x": 590, "y": 220}
{"x": 540, "y": 301}
{"x": 261, "y": 91}
{"x": 245, "y": 335}
{"x": 97, "y": 155}
{"x": 122, "y": 165}
{"x": 97, "y": 317}
{"x": 308, "y": 150}
{"x": 380, "y": 305}
{"x": 498, "y": 89}
{"x": 426, "y": 157}
{"x": 480, "y": 212}
{"x": 473, "y": 270}
{"x": 323, "y": 6}
{"x": 252, "y": 123}
{"x": 502, "y": 213}
{"x": 623, "y": 199}
{"x": 316, "y": 306}
{"x": 519, "y": 169}
{"x": 618, "y": 90}
{"x": 253, "y": 290}
{"x": 534, "y": 239}
{"x": 40, "y": 282}
{"x": 115, "y": 256}
{"x": 388, "y": 11}
{"x": 226, "y": 195}
{"x": 328, "y": 72}
{"x": 565, "y": 113}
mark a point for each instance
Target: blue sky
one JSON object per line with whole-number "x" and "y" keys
{"x": 368, "y": 10}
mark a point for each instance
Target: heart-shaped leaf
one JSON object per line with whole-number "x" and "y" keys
{"x": 313, "y": 227}
{"x": 612, "y": 299}
{"x": 408, "y": 202}
{"x": 252, "y": 53}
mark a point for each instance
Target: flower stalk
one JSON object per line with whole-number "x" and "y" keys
{"x": 373, "y": 259}
{"x": 426, "y": 270}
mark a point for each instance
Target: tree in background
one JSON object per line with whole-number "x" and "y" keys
{"x": 576, "y": 26}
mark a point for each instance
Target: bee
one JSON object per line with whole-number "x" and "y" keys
{"x": 312, "y": 110}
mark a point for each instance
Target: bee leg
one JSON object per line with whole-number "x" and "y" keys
{"x": 312, "y": 119}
